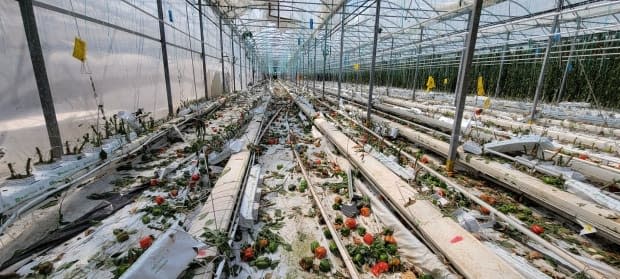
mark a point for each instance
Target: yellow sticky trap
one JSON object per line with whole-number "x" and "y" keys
{"x": 445, "y": 81}
{"x": 79, "y": 49}
{"x": 356, "y": 66}
{"x": 487, "y": 103}
{"x": 480, "y": 86}
{"x": 430, "y": 83}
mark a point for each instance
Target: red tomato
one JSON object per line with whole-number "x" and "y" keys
{"x": 159, "y": 200}
{"x": 154, "y": 181}
{"x": 368, "y": 239}
{"x": 248, "y": 254}
{"x": 379, "y": 268}
{"x": 537, "y": 229}
{"x": 146, "y": 242}
{"x": 320, "y": 252}
{"x": 583, "y": 156}
{"x": 350, "y": 223}
{"x": 195, "y": 177}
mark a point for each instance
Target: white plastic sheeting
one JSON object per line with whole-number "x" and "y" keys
{"x": 167, "y": 257}
{"x": 519, "y": 263}
{"x": 589, "y": 192}
{"x": 251, "y": 199}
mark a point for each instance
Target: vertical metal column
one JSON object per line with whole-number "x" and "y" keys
{"x": 202, "y": 52}
{"x": 344, "y": 7}
{"x": 40, "y": 75}
{"x": 462, "y": 86}
{"x": 324, "y": 57}
{"x": 233, "y": 57}
{"x": 222, "y": 55}
{"x": 390, "y": 78}
{"x": 164, "y": 55}
{"x": 314, "y": 70}
{"x": 501, "y": 67}
{"x": 417, "y": 64}
{"x": 558, "y": 97}
{"x": 307, "y": 68}
{"x": 543, "y": 68}
{"x": 372, "y": 63}
{"x": 240, "y": 67}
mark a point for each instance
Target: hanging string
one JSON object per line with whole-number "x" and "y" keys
{"x": 86, "y": 70}
{"x": 189, "y": 39}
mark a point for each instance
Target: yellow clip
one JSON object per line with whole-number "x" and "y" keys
{"x": 79, "y": 49}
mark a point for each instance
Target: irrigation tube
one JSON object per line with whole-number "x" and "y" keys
{"x": 47, "y": 194}
{"x": 560, "y": 252}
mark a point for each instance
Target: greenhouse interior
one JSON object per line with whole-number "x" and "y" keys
{"x": 310, "y": 139}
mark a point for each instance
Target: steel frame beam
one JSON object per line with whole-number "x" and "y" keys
{"x": 221, "y": 53}
{"x": 341, "y": 57}
{"x": 558, "y": 97}
{"x": 498, "y": 86}
{"x": 462, "y": 86}
{"x": 543, "y": 68}
{"x": 40, "y": 75}
{"x": 202, "y": 51}
{"x": 164, "y": 55}
{"x": 373, "y": 62}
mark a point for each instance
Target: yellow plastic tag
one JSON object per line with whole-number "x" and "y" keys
{"x": 480, "y": 86}
{"x": 79, "y": 49}
{"x": 356, "y": 66}
{"x": 487, "y": 103}
{"x": 430, "y": 83}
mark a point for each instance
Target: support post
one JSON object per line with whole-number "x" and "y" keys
{"x": 307, "y": 68}
{"x": 303, "y": 67}
{"x": 390, "y": 76}
{"x": 202, "y": 51}
{"x": 164, "y": 55}
{"x": 417, "y": 64}
{"x": 233, "y": 58}
{"x": 498, "y": 86}
{"x": 462, "y": 86}
{"x": 543, "y": 68}
{"x": 240, "y": 65}
{"x": 342, "y": 15}
{"x": 372, "y": 63}
{"x": 314, "y": 70}
{"x": 221, "y": 54}
{"x": 558, "y": 97}
{"x": 324, "y": 57}
{"x": 40, "y": 75}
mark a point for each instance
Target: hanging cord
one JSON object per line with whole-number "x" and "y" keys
{"x": 191, "y": 53}
{"x": 86, "y": 70}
